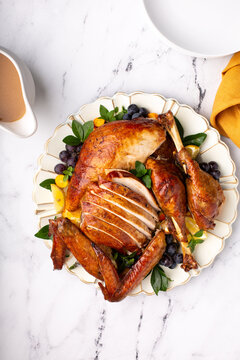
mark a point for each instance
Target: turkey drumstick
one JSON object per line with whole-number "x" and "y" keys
{"x": 204, "y": 193}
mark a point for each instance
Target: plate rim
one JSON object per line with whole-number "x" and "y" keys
{"x": 209, "y": 127}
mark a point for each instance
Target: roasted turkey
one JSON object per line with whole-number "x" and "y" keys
{"x": 116, "y": 211}
{"x": 115, "y": 145}
{"x": 204, "y": 193}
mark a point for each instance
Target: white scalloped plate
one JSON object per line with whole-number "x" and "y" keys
{"x": 212, "y": 149}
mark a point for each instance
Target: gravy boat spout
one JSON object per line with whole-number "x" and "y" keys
{"x": 27, "y": 124}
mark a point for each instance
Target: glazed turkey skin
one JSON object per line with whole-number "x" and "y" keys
{"x": 118, "y": 144}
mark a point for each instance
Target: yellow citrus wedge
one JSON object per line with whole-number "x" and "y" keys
{"x": 58, "y": 198}
{"x": 73, "y": 216}
{"x": 193, "y": 150}
{"x": 193, "y": 228}
{"x": 152, "y": 115}
{"x": 59, "y": 180}
{"x": 191, "y": 225}
{"x": 98, "y": 122}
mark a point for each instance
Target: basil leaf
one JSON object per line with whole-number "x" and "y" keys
{"x": 46, "y": 184}
{"x": 116, "y": 110}
{"x": 180, "y": 128}
{"x": 119, "y": 116}
{"x": 87, "y": 129}
{"x": 124, "y": 261}
{"x": 74, "y": 265}
{"x": 159, "y": 279}
{"x": 147, "y": 181}
{"x": 111, "y": 116}
{"x": 103, "y": 112}
{"x": 77, "y": 129}
{"x": 67, "y": 173}
{"x": 198, "y": 234}
{"x": 196, "y": 139}
{"x": 140, "y": 169}
{"x": 156, "y": 280}
{"x": 71, "y": 140}
{"x": 193, "y": 242}
{"x": 43, "y": 233}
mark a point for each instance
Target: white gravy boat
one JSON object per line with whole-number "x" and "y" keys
{"x": 27, "y": 125}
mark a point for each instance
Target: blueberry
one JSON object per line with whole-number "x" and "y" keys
{"x": 213, "y": 165}
{"x": 136, "y": 115}
{"x": 132, "y": 109}
{"x": 127, "y": 116}
{"x": 70, "y": 148}
{"x": 59, "y": 168}
{"x": 143, "y": 112}
{"x": 178, "y": 258}
{"x": 64, "y": 156}
{"x": 168, "y": 238}
{"x": 78, "y": 148}
{"x": 204, "y": 166}
{"x": 216, "y": 174}
{"x": 173, "y": 265}
{"x": 166, "y": 260}
{"x": 72, "y": 162}
{"x": 171, "y": 249}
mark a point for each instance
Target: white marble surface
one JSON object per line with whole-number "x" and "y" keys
{"x": 78, "y": 50}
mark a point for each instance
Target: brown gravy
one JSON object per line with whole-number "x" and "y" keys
{"x": 12, "y": 106}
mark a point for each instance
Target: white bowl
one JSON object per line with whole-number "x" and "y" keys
{"x": 198, "y": 28}
{"x": 212, "y": 149}
{"x": 27, "y": 125}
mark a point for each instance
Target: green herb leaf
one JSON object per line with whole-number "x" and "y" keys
{"x": 71, "y": 140}
{"x": 103, "y": 112}
{"x": 112, "y": 115}
{"x": 68, "y": 173}
{"x": 199, "y": 233}
{"x": 87, "y": 129}
{"x": 74, "y": 265}
{"x": 77, "y": 129}
{"x": 159, "y": 279}
{"x": 193, "y": 242}
{"x": 119, "y": 116}
{"x": 43, "y": 233}
{"x": 144, "y": 174}
{"x": 46, "y": 184}
{"x": 196, "y": 139}
{"x": 124, "y": 261}
{"x": 180, "y": 128}
{"x": 140, "y": 169}
{"x": 146, "y": 179}
{"x": 156, "y": 280}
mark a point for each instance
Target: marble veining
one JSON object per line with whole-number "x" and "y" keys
{"x": 77, "y": 51}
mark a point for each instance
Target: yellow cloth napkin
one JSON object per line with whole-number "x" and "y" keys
{"x": 226, "y": 108}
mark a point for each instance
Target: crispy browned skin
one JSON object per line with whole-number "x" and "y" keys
{"x": 166, "y": 151}
{"x": 114, "y": 220}
{"x": 205, "y": 194}
{"x": 116, "y": 289}
{"x": 131, "y": 219}
{"x": 58, "y": 248}
{"x": 189, "y": 263}
{"x": 101, "y": 232}
{"x": 79, "y": 245}
{"x": 169, "y": 191}
{"x": 128, "y": 194}
{"x": 114, "y": 145}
